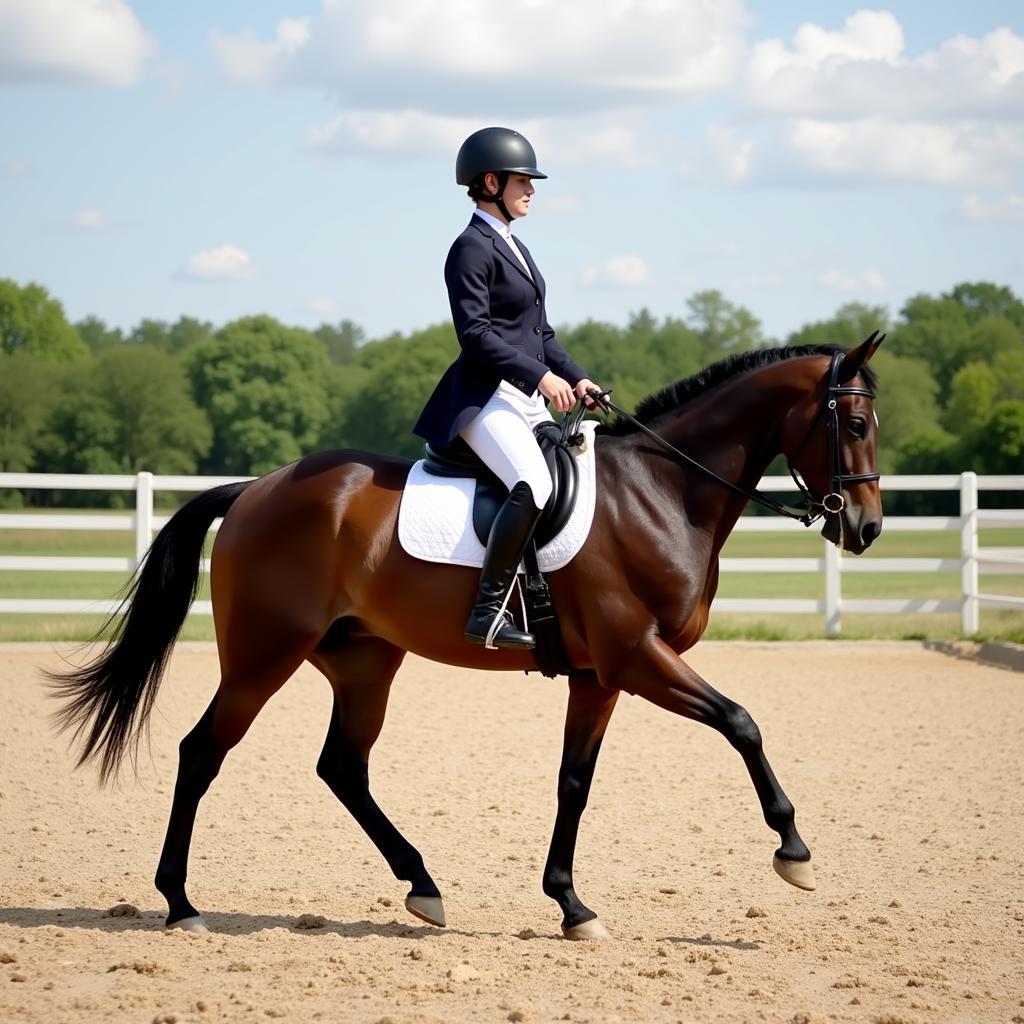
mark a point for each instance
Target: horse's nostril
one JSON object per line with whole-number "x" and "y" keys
{"x": 869, "y": 531}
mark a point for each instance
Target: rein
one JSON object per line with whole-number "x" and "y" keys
{"x": 812, "y": 508}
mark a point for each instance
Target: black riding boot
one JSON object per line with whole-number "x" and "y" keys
{"x": 513, "y": 526}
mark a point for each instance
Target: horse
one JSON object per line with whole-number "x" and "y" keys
{"x": 307, "y": 567}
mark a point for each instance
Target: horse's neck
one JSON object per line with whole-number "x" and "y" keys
{"x": 734, "y": 431}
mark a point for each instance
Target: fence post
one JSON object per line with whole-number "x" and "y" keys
{"x": 833, "y": 589}
{"x": 969, "y": 623}
{"x": 143, "y": 515}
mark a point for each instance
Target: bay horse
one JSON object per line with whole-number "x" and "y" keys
{"x": 307, "y": 567}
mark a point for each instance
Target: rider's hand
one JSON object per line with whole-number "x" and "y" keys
{"x": 583, "y": 390}
{"x": 557, "y": 391}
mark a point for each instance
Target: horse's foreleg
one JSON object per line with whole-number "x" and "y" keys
{"x": 656, "y": 673}
{"x": 590, "y": 707}
{"x": 361, "y": 674}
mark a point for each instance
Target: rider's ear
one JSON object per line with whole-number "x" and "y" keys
{"x": 857, "y": 357}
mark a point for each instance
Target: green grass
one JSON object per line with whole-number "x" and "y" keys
{"x": 995, "y": 624}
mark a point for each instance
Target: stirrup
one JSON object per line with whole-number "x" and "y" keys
{"x": 519, "y": 640}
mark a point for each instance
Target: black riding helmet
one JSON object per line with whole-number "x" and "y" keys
{"x": 500, "y": 150}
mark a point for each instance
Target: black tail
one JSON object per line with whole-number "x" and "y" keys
{"x": 109, "y": 700}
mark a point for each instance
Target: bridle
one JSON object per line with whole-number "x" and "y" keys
{"x": 832, "y": 503}
{"x": 813, "y": 506}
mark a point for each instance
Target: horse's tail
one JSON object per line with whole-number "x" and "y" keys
{"x": 108, "y": 701}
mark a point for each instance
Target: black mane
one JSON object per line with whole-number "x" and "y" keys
{"x": 670, "y": 398}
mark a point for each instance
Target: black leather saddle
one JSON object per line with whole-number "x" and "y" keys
{"x": 460, "y": 460}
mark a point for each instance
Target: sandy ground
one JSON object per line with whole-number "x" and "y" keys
{"x": 904, "y": 764}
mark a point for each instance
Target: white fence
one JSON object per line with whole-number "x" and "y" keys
{"x": 995, "y": 560}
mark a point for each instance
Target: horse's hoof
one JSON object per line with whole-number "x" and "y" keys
{"x": 192, "y": 924}
{"x": 426, "y": 908}
{"x": 589, "y": 931}
{"x": 796, "y": 872}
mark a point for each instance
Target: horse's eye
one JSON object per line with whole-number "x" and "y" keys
{"x": 858, "y": 427}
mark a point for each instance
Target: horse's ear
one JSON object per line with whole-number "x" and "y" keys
{"x": 857, "y": 357}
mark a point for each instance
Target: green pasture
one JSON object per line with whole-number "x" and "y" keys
{"x": 994, "y": 623}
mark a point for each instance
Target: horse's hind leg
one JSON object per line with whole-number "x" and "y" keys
{"x": 236, "y": 704}
{"x": 590, "y": 708}
{"x": 656, "y": 672}
{"x": 360, "y": 672}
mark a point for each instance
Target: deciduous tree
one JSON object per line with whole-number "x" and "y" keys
{"x": 131, "y": 410}
{"x": 33, "y": 322}
{"x": 264, "y": 387}
{"x": 27, "y": 395}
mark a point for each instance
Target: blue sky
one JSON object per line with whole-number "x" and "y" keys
{"x": 222, "y": 159}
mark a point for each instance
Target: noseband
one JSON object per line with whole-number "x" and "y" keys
{"x": 813, "y": 507}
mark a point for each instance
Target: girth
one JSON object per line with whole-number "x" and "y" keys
{"x": 460, "y": 460}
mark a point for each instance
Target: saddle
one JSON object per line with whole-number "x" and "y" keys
{"x": 459, "y": 460}
{"x": 555, "y": 441}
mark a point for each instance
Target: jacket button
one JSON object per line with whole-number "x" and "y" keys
{"x": 519, "y": 383}
{"x": 536, "y": 302}
{"x": 540, "y": 358}
{"x": 536, "y": 330}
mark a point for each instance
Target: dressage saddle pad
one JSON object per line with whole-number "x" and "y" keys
{"x": 435, "y": 519}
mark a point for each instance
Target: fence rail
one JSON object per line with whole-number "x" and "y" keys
{"x": 144, "y": 522}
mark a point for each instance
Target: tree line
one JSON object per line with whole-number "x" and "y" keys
{"x": 188, "y": 397}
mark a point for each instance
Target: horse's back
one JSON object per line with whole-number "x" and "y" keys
{"x": 320, "y": 483}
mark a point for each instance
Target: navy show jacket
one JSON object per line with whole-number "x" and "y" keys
{"x": 502, "y": 328}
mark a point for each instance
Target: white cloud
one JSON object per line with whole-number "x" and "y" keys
{"x": 609, "y": 139}
{"x": 735, "y": 155}
{"x": 390, "y": 132}
{"x": 245, "y": 59}
{"x": 556, "y": 55}
{"x": 89, "y": 219}
{"x": 321, "y": 304}
{"x": 879, "y": 148}
{"x": 222, "y": 263}
{"x": 870, "y": 280}
{"x": 853, "y": 103}
{"x": 1008, "y": 210}
{"x": 863, "y": 69}
{"x": 98, "y": 41}
{"x": 629, "y": 271}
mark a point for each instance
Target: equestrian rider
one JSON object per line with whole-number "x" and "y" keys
{"x": 510, "y": 365}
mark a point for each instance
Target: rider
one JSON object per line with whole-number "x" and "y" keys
{"x": 510, "y": 366}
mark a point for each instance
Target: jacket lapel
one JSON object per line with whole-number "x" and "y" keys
{"x": 538, "y": 281}
{"x": 504, "y": 250}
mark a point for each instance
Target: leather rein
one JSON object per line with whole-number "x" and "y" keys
{"x": 813, "y": 507}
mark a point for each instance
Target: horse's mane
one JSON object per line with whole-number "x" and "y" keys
{"x": 670, "y": 398}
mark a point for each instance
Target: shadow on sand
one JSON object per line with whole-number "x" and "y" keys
{"x": 219, "y": 924}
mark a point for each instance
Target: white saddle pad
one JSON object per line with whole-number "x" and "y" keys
{"x": 435, "y": 520}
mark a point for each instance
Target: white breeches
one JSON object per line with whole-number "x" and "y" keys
{"x": 502, "y": 435}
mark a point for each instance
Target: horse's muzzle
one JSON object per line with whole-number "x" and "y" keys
{"x": 854, "y": 529}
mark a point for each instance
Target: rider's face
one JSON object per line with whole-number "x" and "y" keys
{"x": 517, "y": 194}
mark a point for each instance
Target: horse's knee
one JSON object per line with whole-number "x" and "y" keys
{"x": 741, "y": 730}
